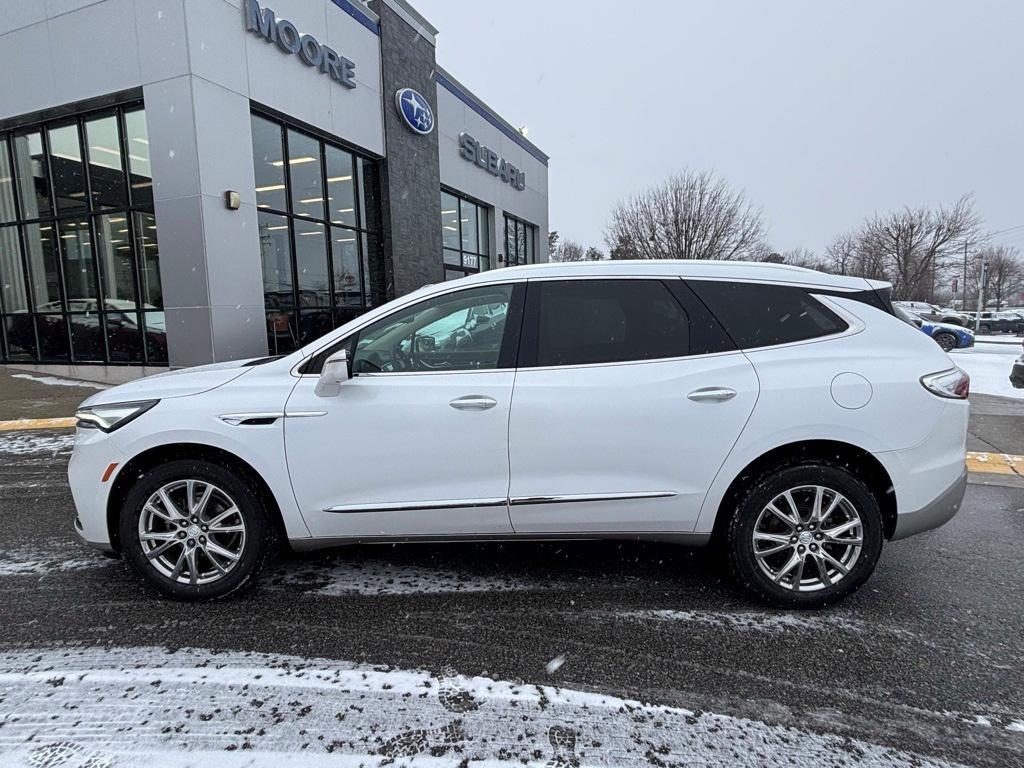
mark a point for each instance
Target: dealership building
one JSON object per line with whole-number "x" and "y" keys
{"x": 188, "y": 181}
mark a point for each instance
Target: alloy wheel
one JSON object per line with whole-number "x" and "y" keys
{"x": 808, "y": 538}
{"x": 191, "y": 531}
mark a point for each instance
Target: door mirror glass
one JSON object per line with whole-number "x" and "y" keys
{"x": 335, "y": 373}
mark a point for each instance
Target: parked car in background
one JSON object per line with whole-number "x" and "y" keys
{"x": 934, "y": 312}
{"x": 784, "y": 412}
{"x": 997, "y": 322}
{"x": 946, "y": 335}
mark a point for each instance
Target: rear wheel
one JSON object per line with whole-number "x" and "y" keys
{"x": 195, "y": 531}
{"x": 946, "y": 340}
{"x": 805, "y": 536}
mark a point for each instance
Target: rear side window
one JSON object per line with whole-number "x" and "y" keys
{"x": 761, "y": 315}
{"x": 578, "y": 322}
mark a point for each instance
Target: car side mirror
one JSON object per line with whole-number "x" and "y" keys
{"x": 335, "y": 372}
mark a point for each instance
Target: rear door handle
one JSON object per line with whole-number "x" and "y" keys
{"x": 473, "y": 403}
{"x": 712, "y": 394}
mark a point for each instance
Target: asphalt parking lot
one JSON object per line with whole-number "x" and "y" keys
{"x": 612, "y": 653}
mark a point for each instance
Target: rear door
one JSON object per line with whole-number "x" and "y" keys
{"x": 627, "y": 399}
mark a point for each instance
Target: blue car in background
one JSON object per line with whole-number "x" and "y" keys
{"x": 946, "y": 335}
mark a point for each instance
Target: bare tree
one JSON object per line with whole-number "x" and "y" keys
{"x": 692, "y": 215}
{"x": 1004, "y": 273}
{"x": 913, "y": 245}
{"x": 569, "y": 250}
{"x": 593, "y": 254}
{"x": 803, "y": 257}
{"x": 842, "y": 254}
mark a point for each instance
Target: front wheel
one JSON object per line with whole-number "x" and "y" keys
{"x": 946, "y": 340}
{"x": 195, "y": 531}
{"x": 805, "y": 536}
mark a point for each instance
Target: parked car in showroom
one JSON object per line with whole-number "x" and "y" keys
{"x": 784, "y": 413}
{"x": 933, "y": 312}
{"x": 947, "y": 336}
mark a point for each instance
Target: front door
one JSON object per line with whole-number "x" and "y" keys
{"x": 415, "y": 443}
{"x": 628, "y": 399}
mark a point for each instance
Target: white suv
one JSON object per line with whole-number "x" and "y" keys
{"x": 781, "y": 412}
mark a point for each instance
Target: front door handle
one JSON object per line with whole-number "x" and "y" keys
{"x": 473, "y": 403}
{"x": 712, "y": 394}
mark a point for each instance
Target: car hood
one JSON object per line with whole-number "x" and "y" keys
{"x": 179, "y": 383}
{"x": 951, "y": 327}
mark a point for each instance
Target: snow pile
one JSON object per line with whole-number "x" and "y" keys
{"x": 29, "y": 443}
{"x": 989, "y": 368}
{"x": 56, "y": 382}
{"x": 145, "y": 706}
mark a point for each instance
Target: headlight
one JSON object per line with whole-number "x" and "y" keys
{"x": 112, "y": 416}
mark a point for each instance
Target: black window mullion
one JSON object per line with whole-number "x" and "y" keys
{"x": 328, "y": 231}
{"x": 291, "y": 228}
{"x": 122, "y": 139}
{"x": 57, "y": 240}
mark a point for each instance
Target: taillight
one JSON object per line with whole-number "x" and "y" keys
{"x": 954, "y": 384}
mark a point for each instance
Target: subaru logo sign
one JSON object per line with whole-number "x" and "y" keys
{"x": 415, "y": 111}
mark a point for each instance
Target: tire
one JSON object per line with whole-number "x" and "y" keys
{"x": 983, "y": 328}
{"x": 248, "y": 533}
{"x": 751, "y": 514}
{"x": 947, "y": 341}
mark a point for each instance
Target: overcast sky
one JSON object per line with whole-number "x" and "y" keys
{"x": 823, "y": 112}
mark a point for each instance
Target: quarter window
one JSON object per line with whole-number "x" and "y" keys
{"x": 762, "y": 315}
{"x": 577, "y": 322}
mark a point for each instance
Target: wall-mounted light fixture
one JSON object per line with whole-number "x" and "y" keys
{"x": 232, "y": 200}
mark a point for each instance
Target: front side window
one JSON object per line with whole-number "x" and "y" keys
{"x": 462, "y": 331}
{"x": 762, "y": 315}
{"x": 580, "y": 322}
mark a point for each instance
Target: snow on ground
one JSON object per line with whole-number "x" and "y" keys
{"x": 989, "y": 367}
{"x": 54, "y": 557}
{"x": 145, "y": 706}
{"x": 381, "y": 577}
{"x": 32, "y": 442}
{"x": 57, "y": 382}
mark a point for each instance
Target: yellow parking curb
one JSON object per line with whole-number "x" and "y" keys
{"x": 977, "y": 461}
{"x": 995, "y": 463}
{"x": 16, "y": 424}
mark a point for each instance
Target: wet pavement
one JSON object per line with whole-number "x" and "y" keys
{"x": 550, "y": 647}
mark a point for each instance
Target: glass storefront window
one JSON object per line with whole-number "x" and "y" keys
{"x": 141, "y": 181}
{"x": 304, "y": 170}
{"x": 79, "y": 265}
{"x": 347, "y": 285}
{"x": 32, "y": 179}
{"x": 106, "y": 171}
{"x": 66, "y": 168}
{"x": 341, "y": 195}
{"x": 12, "y": 272}
{"x": 7, "y": 212}
{"x": 268, "y": 163}
{"x": 84, "y": 242}
{"x": 464, "y": 236}
{"x": 317, "y": 202}
{"x": 520, "y": 242}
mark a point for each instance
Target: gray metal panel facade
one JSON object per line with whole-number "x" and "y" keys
{"x": 199, "y": 71}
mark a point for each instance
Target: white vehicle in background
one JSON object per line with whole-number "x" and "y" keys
{"x": 784, "y": 413}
